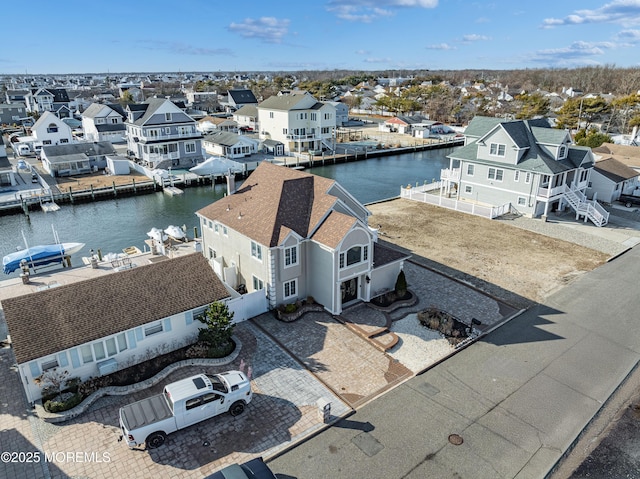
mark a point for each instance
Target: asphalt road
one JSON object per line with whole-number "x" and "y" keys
{"x": 518, "y": 398}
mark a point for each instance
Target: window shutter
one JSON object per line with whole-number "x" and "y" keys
{"x": 167, "y": 324}
{"x": 139, "y": 334}
{"x": 189, "y": 317}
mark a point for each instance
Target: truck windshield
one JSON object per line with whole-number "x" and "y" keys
{"x": 167, "y": 396}
{"x": 218, "y": 384}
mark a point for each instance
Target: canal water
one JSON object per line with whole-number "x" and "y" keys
{"x": 112, "y": 225}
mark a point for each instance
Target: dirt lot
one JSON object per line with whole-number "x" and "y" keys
{"x": 98, "y": 180}
{"x": 515, "y": 265}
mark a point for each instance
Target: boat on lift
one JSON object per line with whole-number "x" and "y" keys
{"x": 40, "y": 255}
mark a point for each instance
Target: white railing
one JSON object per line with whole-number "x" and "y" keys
{"x": 551, "y": 192}
{"x": 171, "y": 136}
{"x": 422, "y": 194}
{"x": 450, "y": 174}
{"x": 590, "y": 209}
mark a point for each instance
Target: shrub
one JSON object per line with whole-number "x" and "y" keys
{"x": 401, "y": 285}
{"x": 218, "y": 320}
{"x": 290, "y": 308}
{"x": 64, "y": 404}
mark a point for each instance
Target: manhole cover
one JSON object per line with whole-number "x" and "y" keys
{"x": 455, "y": 439}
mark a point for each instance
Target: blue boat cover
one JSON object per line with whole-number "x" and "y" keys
{"x": 35, "y": 256}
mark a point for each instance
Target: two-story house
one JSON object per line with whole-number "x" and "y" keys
{"x": 12, "y": 113}
{"x": 295, "y": 235}
{"x": 161, "y": 135}
{"x": 524, "y": 163}
{"x": 51, "y": 130}
{"x": 104, "y": 122}
{"x": 55, "y": 100}
{"x": 298, "y": 121}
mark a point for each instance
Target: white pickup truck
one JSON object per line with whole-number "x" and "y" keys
{"x": 182, "y": 404}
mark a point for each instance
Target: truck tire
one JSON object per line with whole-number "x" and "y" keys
{"x": 628, "y": 204}
{"x": 236, "y": 408}
{"x": 155, "y": 439}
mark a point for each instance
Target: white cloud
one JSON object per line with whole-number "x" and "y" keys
{"x": 368, "y": 10}
{"x": 624, "y": 12}
{"x": 578, "y": 53}
{"x": 378, "y": 60}
{"x": 628, "y": 35}
{"x": 474, "y": 38}
{"x": 440, "y": 46}
{"x": 362, "y": 52}
{"x": 269, "y": 29}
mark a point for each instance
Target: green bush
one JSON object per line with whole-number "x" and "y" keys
{"x": 65, "y": 405}
{"x": 401, "y": 285}
{"x": 290, "y": 308}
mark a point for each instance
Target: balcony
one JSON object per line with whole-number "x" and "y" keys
{"x": 448, "y": 174}
{"x": 171, "y": 136}
{"x": 308, "y": 136}
{"x": 546, "y": 193}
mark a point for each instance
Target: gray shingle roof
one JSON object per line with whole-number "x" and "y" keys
{"x": 283, "y": 102}
{"x": 615, "y": 170}
{"x": 98, "y": 148}
{"x": 242, "y": 96}
{"x": 56, "y": 319}
{"x": 225, "y": 138}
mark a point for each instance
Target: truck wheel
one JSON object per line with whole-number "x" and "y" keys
{"x": 155, "y": 439}
{"x": 628, "y": 204}
{"x": 236, "y": 408}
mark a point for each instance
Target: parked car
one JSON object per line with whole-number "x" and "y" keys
{"x": 246, "y": 129}
{"x": 34, "y": 177}
{"x": 629, "y": 200}
{"x": 253, "y": 469}
{"x": 182, "y": 404}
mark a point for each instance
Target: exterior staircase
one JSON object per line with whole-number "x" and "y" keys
{"x": 589, "y": 209}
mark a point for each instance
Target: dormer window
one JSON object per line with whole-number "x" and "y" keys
{"x": 497, "y": 149}
{"x": 167, "y": 117}
{"x": 562, "y": 152}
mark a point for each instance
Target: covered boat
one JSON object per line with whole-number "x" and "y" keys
{"x": 215, "y": 165}
{"x": 39, "y": 255}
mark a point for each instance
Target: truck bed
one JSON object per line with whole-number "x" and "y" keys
{"x": 144, "y": 412}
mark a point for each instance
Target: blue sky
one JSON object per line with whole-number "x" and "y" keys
{"x": 70, "y": 36}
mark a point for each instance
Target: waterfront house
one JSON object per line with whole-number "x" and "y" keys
{"x": 294, "y": 235}
{"x": 611, "y": 178}
{"x": 229, "y": 145}
{"x": 104, "y": 122}
{"x": 298, "y": 121}
{"x": 162, "y": 135}
{"x": 115, "y": 320}
{"x": 525, "y": 164}
{"x": 76, "y": 158}
{"x": 51, "y": 130}
{"x": 404, "y": 124}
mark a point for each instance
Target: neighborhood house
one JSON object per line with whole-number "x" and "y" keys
{"x": 100, "y": 325}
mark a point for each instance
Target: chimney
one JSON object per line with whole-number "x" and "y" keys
{"x": 231, "y": 183}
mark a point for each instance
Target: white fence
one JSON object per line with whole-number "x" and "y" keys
{"x": 248, "y": 305}
{"x": 423, "y": 193}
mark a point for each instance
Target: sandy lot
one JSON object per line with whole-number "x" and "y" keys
{"x": 515, "y": 265}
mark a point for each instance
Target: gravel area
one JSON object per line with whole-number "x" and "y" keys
{"x": 418, "y": 347}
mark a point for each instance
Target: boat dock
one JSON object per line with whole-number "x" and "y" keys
{"x": 47, "y": 196}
